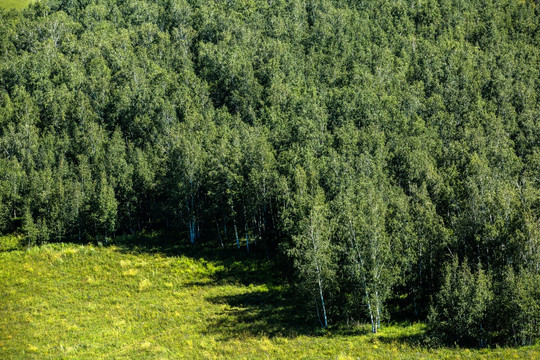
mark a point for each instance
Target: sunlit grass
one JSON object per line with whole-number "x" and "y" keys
{"x": 79, "y": 302}
{"x": 14, "y": 4}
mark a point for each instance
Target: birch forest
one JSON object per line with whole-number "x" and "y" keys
{"x": 386, "y": 154}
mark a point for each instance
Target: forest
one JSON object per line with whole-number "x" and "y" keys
{"x": 384, "y": 154}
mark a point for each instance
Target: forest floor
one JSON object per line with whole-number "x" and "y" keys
{"x": 70, "y": 301}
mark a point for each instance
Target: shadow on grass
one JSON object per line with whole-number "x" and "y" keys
{"x": 277, "y": 312}
{"x": 269, "y": 313}
{"x": 239, "y": 266}
{"x": 408, "y": 334}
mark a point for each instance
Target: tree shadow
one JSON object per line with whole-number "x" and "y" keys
{"x": 276, "y": 312}
{"x": 414, "y": 339}
{"x": 237, "y": 265}
{"x": 271, "y": 313}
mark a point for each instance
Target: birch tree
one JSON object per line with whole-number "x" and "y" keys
{"x": 369, "y": 250}
{"x": 187, "y": 162}
{"x": 314, "y": 254}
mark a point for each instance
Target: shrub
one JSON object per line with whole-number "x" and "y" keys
{"x": 460, "y": 310}
{"x": 521, "y": 296}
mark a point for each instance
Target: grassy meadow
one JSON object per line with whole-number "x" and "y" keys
{"x": 68, "y": 301}
{"x": 14, "y": 4}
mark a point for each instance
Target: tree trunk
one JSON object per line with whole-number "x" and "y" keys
{"x": 219, "y": 235}
{"x": 236, "y": 234}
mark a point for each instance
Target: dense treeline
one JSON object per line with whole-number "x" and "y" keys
{"x": 390, "y": 149}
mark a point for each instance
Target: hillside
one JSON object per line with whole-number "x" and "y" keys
{"x": 383, "y": 155}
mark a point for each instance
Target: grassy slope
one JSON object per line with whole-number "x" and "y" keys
{"x": 14, "y": 4}
{"x": 73, "y": 302}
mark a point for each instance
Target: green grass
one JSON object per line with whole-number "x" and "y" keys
{"x": 10, "y": 242}
{"x": 14, "y": 4}
{"x": 80, "y": 302}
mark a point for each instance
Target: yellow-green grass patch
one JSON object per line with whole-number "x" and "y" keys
{"x": 15, "y": 4}
{"x": 80, "y": 302}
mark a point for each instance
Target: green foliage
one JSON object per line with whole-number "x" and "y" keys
{"x": 459, "y": 314}
{"x": 312, "y": 252}
{"x": 398, "y": 133}
{"x": 521, "y": 304}
{"x": 30, "y": 229}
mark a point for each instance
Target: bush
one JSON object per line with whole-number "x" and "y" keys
{"x": 521, "y": 296}
{"x": 459, "y": 313}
